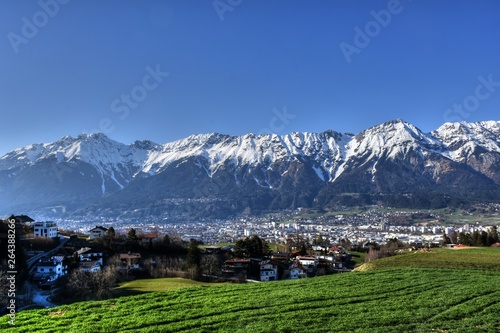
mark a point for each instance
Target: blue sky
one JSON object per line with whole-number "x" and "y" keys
{"x": 162, "y": 70}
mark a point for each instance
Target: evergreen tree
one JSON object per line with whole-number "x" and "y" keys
{"x": 493, "y": 235}
{"x": 251, "y": 247}
{"x": 446, "y": 239}
{"x": 462, "y": 238}
{"x": 476, "y": 238}
{"x": 111, "y": 233}
{"x": 484, "y": 238}
{"x": 194, "y": 254}
{"x": 132, "y": 239}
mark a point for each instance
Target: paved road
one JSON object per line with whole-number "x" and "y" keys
{"x": 32, "y": 261}
{"x": 40, "y": 298}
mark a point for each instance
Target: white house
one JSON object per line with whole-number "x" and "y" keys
{"x": 307, "y": 261}
{"x": 319, "y": 248}
{"x": 97, "y": 232}
{"x": 45, "y": 229}
{"x": 268, "y": 270}
{"x": 297, "y": 272}
{"x": 90, "y": 266}
{"x": 87, "y": 254}
{"x": 49, "y": 270}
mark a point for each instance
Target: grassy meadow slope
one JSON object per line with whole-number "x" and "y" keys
{"x": 463, "y": 298}
{"x": 458, "y": 258}
{"x": 153, "y": 285}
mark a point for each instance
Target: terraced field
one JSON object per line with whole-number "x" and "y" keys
{"x": 401, "y": 299}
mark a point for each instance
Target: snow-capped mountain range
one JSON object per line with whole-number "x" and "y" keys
{"x": 217, "y": 175}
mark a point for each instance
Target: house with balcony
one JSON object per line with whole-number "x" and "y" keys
{"x": 89, "y": 254}
{"x": 269, "y": 270}
{"x": 49, "y": 270}
{"x": 130, "y": 260}
{"x": 236, "y": 266}
{"x": 90, "y": 266}
{"x": 97, "y": 232}
{"x": 241, "y": 268}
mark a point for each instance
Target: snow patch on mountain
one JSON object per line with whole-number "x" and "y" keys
{"x": 464, "y": 139}
{"x": 329, "y": 154}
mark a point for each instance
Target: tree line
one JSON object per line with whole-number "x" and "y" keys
{"x": 476, "y": 238}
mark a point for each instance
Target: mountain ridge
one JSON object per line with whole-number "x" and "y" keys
{"x": 226, "y": 174}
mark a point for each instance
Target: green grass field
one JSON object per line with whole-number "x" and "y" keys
{"x": 153, "y": 285}
{"x": 406, "y": 293}
{"x": 464, "y": 258}
{"x": 358, "y": 257}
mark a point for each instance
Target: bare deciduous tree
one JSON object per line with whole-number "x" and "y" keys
{"x": 210, "y": 265}
{"x": 88, "y": 284}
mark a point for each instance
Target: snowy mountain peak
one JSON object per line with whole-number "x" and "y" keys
{"x": 464, "y": 139}
{"x": 391, "y": 139}
{"x": 144, "y": 145}
{"x": 268, "y": 170}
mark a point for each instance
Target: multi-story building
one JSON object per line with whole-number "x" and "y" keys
{"x": 45, "y": 229}
{"x": 269, "y": 270}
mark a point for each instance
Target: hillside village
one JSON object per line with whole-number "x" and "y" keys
{"x": 59, "y": 260}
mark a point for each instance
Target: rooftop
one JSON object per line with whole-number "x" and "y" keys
{"x": 130, "y": 256}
